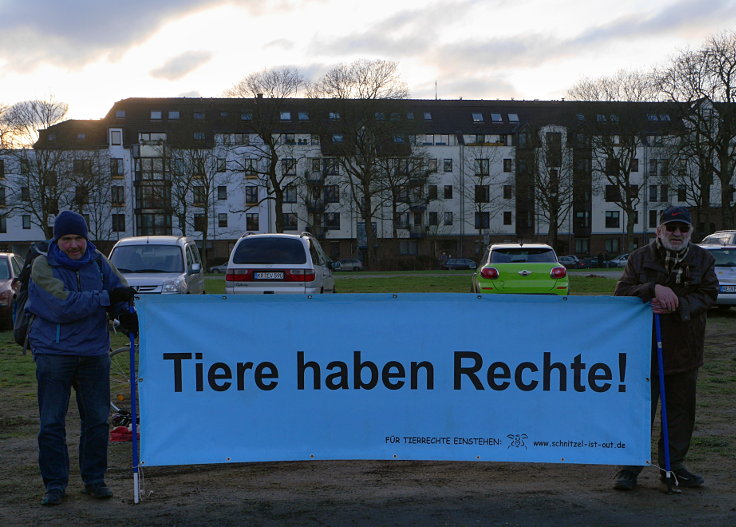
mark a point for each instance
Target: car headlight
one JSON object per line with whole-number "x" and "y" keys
{"x": 174, "y": 286}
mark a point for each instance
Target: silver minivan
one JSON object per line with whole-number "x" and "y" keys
{"x": 278, "y": 263}
{"x": 160, "y": 264}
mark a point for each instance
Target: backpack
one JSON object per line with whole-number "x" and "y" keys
{"x": 21, "y": 318}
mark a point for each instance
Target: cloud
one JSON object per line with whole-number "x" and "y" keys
{"x": 180, "y": 65}
{"x": 73, "y": 32}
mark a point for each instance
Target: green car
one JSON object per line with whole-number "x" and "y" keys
{"x": 516, "y": 268}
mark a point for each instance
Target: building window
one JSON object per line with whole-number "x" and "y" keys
{"x": 334, "y": 116}
{"x": 2, "y": 196}
{"x": 433, "y": 219}
{"x": 199, "y": 223}
{"x": 427, "y": 116}
{"x": 116, "y": 137}
{"x": 290, "y": 194}
{"x": 246, "y": 116}
{"x": 507, "y": 217}
{"x": 482, "y": 193}
{"x": 288, "y": 166}
{"x": 508, "y": 165}
{"x": 508, "y": 192}
{"x": 25, "y": 195}
{"x": 613, "y": 219}
{"x": 653, "y": 219}
{"x": 118, "y": 222}
{"x": 332, "y": 194}
{"x": 156, "y": 115}
{"x": 448, "y": 218}
{"x": 432, "y": 165}
{"x": 432, "y": 192}
{"x": 634, "y": 165}
{"x": 332, "y": 166}
{"x": 117, "y": 195}
{"x": 477, "y": 117}
{"x": 251, "y": 195}
{"x": 482, "y": 220}
{"x": 26, "y": 218}
{"x": 174, "y": 115}
{"x": 332, "y": 221}
{"x": 198, "y": 115}
{"x": 338, "y": 138}
{"x": 613, "y": 246}
{"x": 496, "y": 118}
{"x": 447, "y": 194}
{"x": 612, "y": 194}
{"x": 119, "y": 114}
{"x": 221, "y": 164}
{"x": 482, "y": 167}
{"x": 2, "y": 169}
{"x": 221, "y": 192}
{"x": 285, "y": 116}
{"x": 290, "y": 221}
{"x": 3, "y": 224}
{"x": 251, "y": 221}
{"x": 198, "y": 195}
{"x": 681, "y": 193}
{"x": 222, "y": 220}
{"x": 198, "y": 136}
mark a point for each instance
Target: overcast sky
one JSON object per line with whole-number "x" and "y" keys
{"x": 91, "y": 53}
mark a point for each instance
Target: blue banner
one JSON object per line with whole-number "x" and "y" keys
{"x": 405, "y": 376}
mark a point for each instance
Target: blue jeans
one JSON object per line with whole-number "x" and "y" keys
{"x": 90, "y": 378}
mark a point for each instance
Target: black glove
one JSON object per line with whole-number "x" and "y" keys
{"x": 128, "y": 323}
{"x": 122, "y": 294}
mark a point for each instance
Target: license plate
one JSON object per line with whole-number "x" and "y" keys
{"x": 268, "y": 276}
{"x": 728, "y": 289}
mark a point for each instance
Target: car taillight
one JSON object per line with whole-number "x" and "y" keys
{"x": 558, "y": 272}
{"x": 299, "y": 275}
{"x": 239, "y": 275}
{"x": 491, "y": 273}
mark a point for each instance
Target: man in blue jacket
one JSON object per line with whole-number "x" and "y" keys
{"x": 71, "y": 292}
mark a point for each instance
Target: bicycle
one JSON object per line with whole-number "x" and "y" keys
{"x": 120, "y": 377}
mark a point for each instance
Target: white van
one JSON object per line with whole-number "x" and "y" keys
{"x": 160, "y": 264}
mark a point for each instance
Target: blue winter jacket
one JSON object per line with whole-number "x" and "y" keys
{"x": 70, "y": 306}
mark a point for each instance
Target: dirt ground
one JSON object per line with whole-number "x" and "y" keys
{"x": 388, "y": 493}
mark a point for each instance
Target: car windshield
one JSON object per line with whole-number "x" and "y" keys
{"x": 148, "y": 259}
{"x": 725, "y": 257}
{"x": 270, "y": 251}
{"x": 523, "y": 255}
{"x": 4, "y": 269}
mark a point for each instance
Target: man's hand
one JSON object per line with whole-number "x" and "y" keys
{"x": 128, "y": 323}
{"x": 665, "y": 300}
{"x": 122, "y": 294}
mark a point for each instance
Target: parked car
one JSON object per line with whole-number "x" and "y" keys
{"x": 160, "y": 264}
{"x": 10, "y": 266}
{"x": 459, "y": 263}
{"x": 218, "y": 269}
{"x": 348, "y": 264}
{"x": 278, "y": 263}
{"x": 521, "y": 268}
{"x": 571, "y": 262}
{"x": 726, "y": 272}
{"x": 720, "y": 238}
{"x": 619, "y": 261}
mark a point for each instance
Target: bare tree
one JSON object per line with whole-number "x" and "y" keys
{"x": 365, "y": 128}
{"x": 481, "y": 188}
{"x": 702, "y": 83}
{"x": 552, "y": 179}
{"x": 37, "y": 189}
{"x": 269, "y": 90}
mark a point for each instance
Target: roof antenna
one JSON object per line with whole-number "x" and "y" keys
{"x": 435, "y": 90}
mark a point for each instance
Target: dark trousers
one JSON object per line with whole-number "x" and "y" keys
{"x": 90, "y": 378}
{"x": 680, "y": 398}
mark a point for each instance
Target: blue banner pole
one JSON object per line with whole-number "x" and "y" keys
{"x": 134, "y": 414}
{"x": 663, "y": 404}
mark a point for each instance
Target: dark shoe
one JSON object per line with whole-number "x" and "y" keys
{"x": 52, "y": 497}
{"x": 682, "y": 477}
{"x": 98, "y": 490}
{"x": 624, "y": 480}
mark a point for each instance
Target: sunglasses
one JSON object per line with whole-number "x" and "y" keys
{"x": 672, "y": 227}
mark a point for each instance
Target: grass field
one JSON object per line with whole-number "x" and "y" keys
{"x": 427, "y": 282}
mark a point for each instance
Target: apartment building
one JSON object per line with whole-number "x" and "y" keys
{"x": 408, "y": 179}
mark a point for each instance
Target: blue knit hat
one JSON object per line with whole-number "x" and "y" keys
{"x": 69, "y": 222}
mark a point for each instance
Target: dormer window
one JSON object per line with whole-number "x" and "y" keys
{"x": 496, "y": 118}
{"x": 477, "y": 117}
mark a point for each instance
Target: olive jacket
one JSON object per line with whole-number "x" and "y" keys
{"x": 683, "y": 332}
